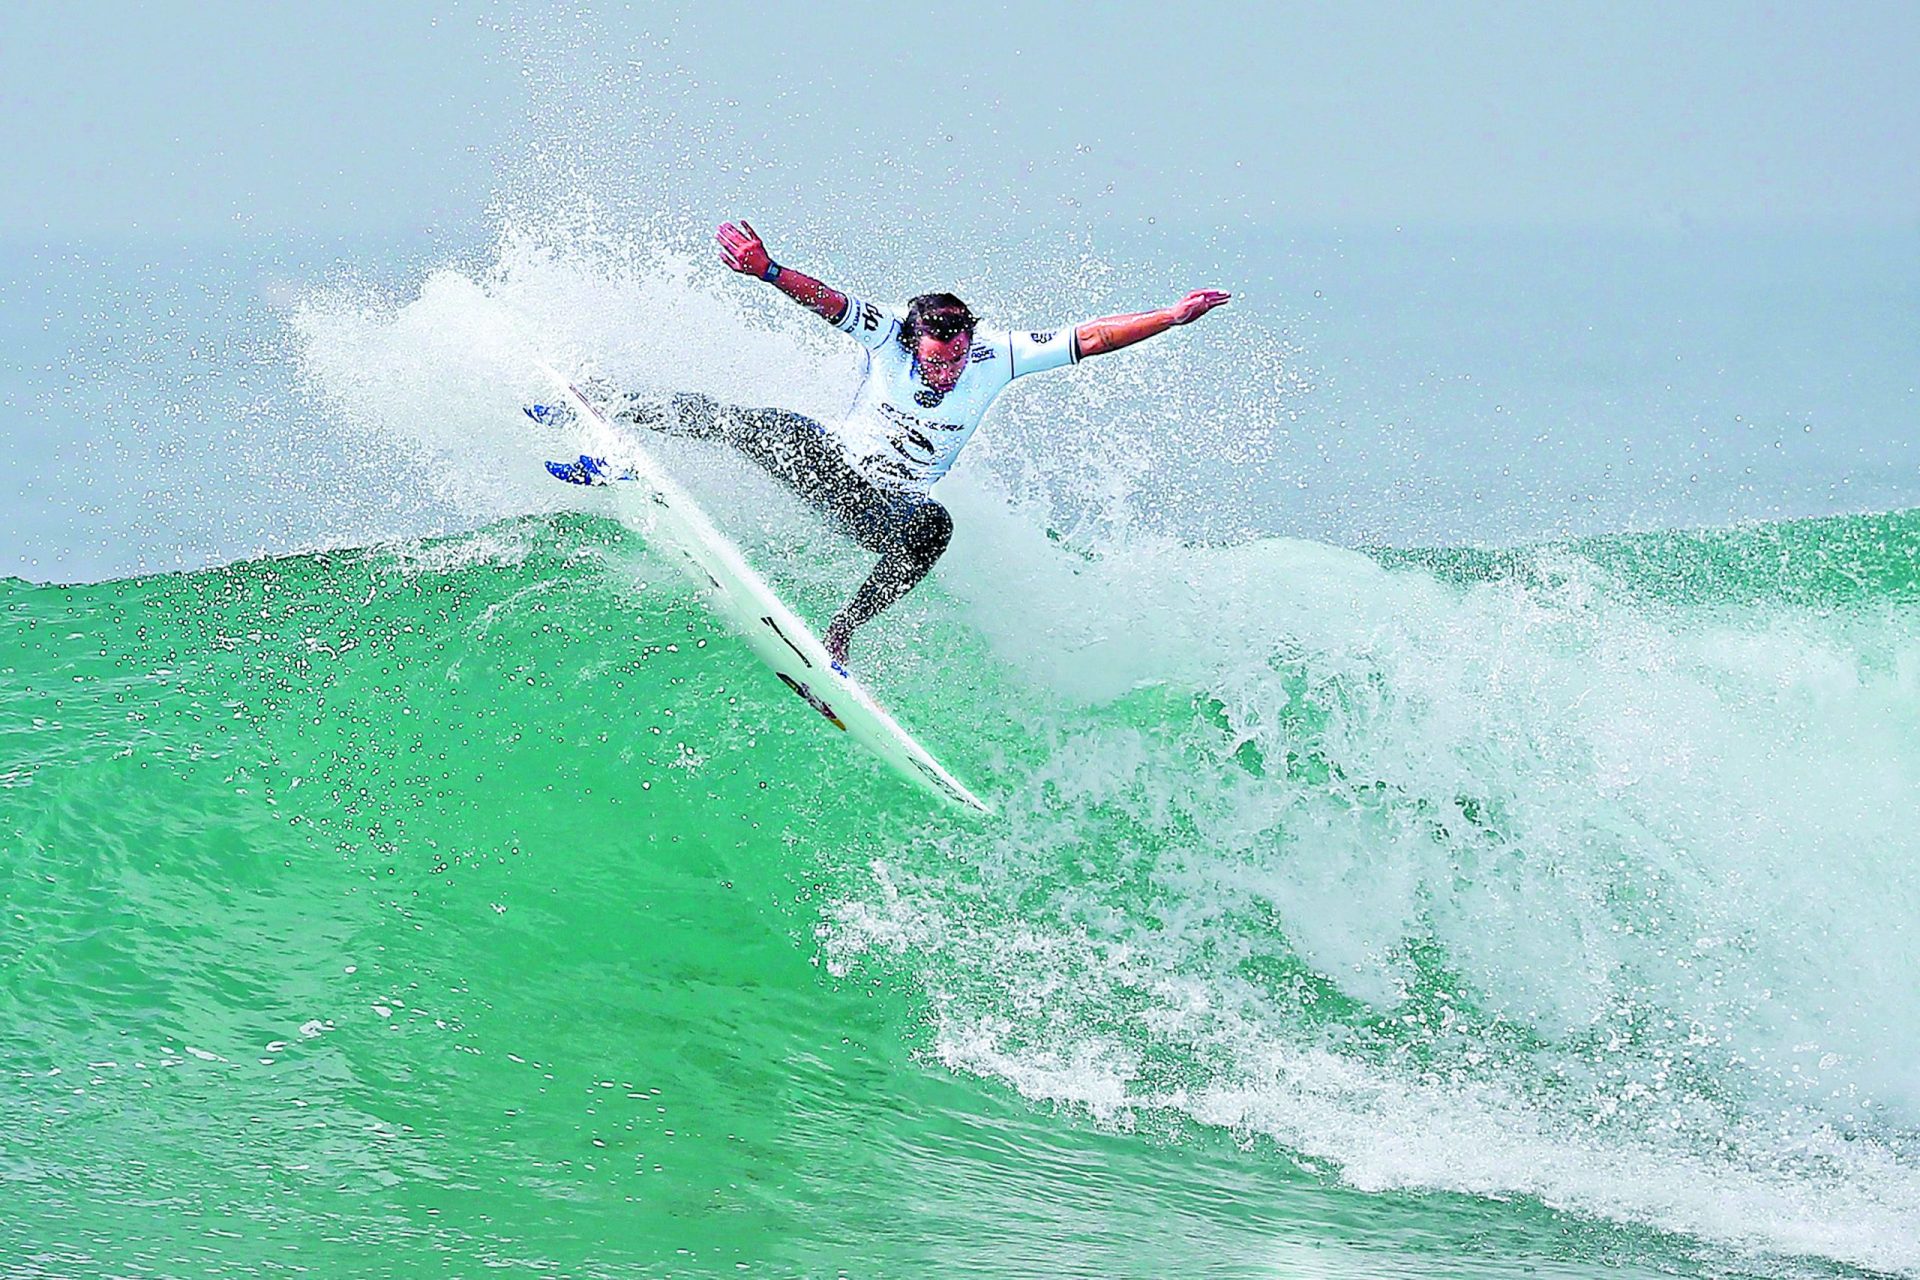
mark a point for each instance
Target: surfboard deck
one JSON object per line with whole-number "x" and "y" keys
{"x": 649, "y": 501}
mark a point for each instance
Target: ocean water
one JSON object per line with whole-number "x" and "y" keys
{"x": 1422, "y": 851}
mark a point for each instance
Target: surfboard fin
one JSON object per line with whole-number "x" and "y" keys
{"x": 549, "y": 415}
{"x": 587, "y": 470}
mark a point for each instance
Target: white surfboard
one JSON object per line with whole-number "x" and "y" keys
{"x": 648, "y": 500}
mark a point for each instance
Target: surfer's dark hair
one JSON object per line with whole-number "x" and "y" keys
{"x": 937, "y": 315}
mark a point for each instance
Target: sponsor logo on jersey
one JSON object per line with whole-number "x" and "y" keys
{"x": 916, "y": 438}
{"x": 981, "y": 352}
{"x": 1043, "y": 335}
{"x": 901, "y": 418}
{"x": 890, "y": 473}
{"x": 869, "y": 317}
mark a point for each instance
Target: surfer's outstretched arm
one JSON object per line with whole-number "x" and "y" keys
{"x": 742, "y": 251}
{"x": 1110, "y": 333}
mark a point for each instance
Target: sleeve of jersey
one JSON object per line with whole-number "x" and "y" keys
{"x": 872, "y": 324}
{"x": 1037, "y": 350}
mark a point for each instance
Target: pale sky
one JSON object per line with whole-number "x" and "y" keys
{"x": 206, "y": 118}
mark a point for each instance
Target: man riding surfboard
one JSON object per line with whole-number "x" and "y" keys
{"x": 931, "y": 373}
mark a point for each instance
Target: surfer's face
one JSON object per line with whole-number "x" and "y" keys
{"x": 942, "y": 361}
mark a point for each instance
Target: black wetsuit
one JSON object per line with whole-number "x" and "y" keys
{"x": 909, "y": 530}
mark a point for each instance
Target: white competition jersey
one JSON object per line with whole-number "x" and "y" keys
{"x": 900, "y": 433}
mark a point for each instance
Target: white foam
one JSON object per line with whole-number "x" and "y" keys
{"x": 1658, "y": 863}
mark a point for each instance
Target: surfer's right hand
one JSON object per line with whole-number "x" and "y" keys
{"x": 741, "y": 250}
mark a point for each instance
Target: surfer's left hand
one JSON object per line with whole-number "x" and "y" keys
{"x": 1197, "y": 304}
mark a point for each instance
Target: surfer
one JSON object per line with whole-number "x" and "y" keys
{"x": 931, "y": 372}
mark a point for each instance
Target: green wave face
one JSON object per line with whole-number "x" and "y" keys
{"x": 480, "y": 904}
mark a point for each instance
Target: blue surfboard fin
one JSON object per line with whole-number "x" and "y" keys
{"x": 550, "y": 415}
{"x": 588, "y": 470}
{"x": 584, "y": 471}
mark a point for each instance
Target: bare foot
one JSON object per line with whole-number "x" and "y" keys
{"x": 839, "y": 637}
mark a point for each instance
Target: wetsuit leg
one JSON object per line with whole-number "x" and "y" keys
{"x": 790, "y": 447}
{"x": 910, "y": 531}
